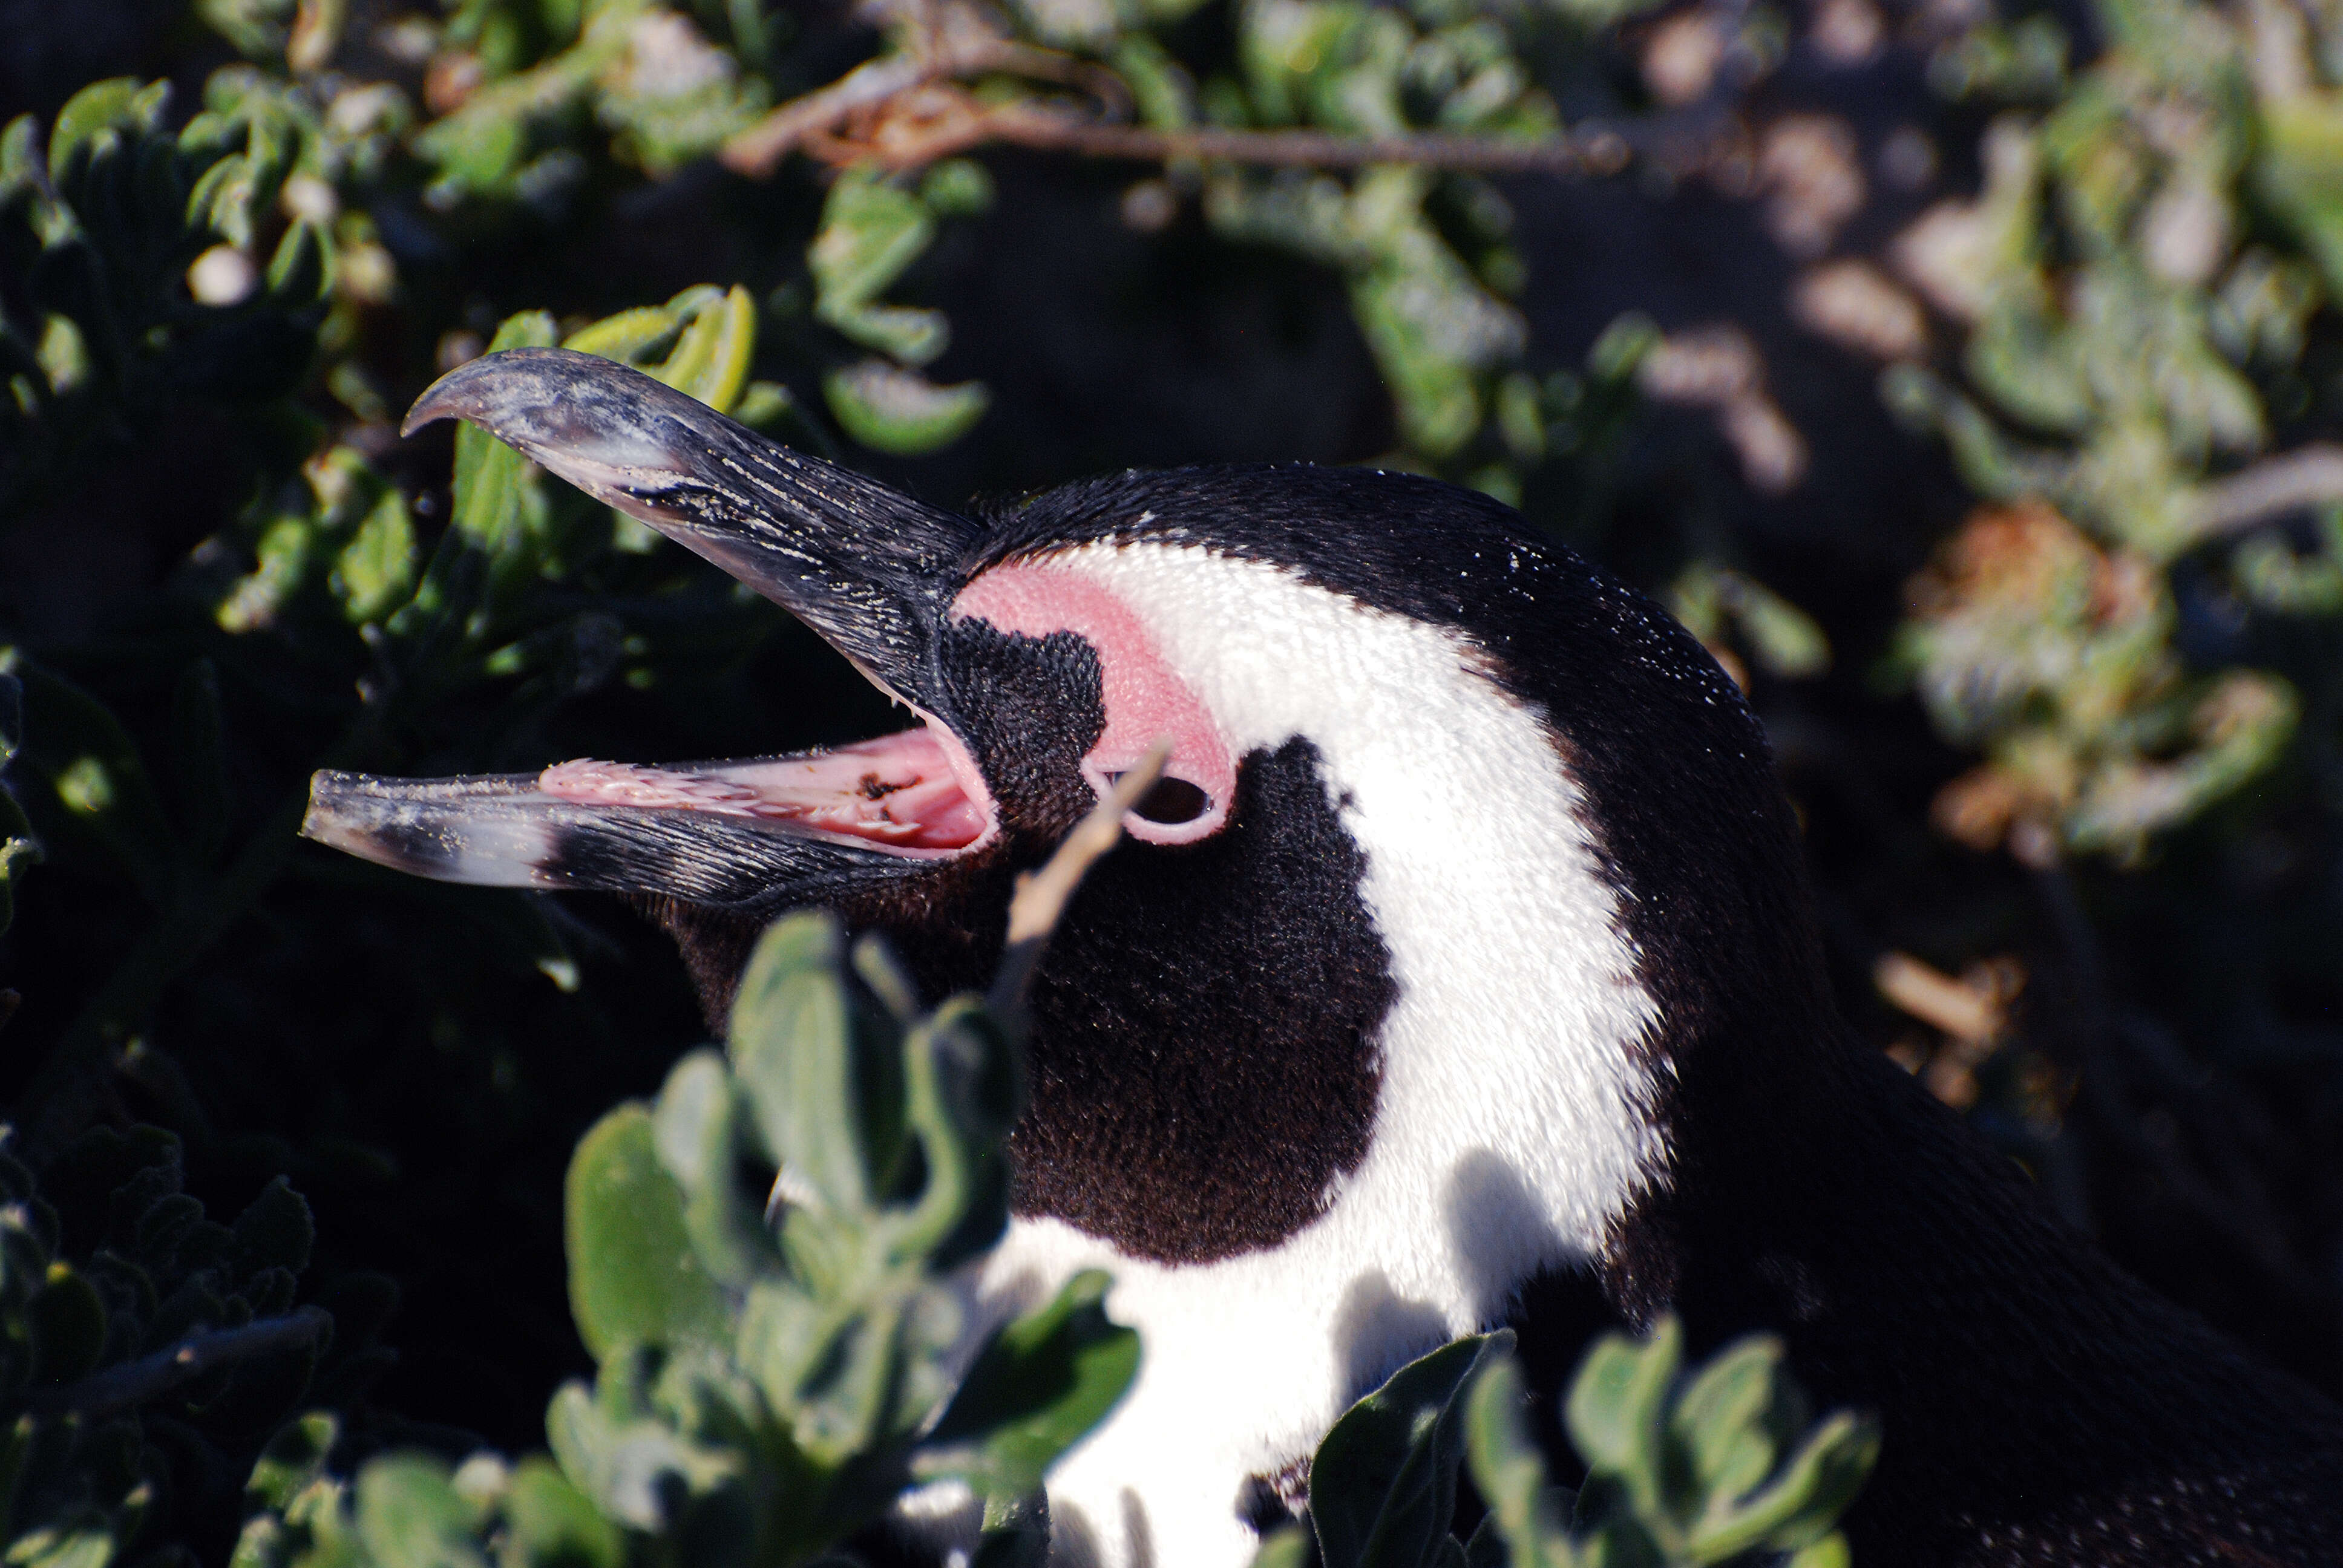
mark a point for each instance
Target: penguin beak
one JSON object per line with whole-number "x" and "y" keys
{"x": 870, "y": 570}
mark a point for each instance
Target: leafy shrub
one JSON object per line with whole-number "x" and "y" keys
{"x": 765, "y": 1388}
{"x": 1718, "y": 1467}
{"x": 2138, "y": 303}
{"x": 146, "y": 1351}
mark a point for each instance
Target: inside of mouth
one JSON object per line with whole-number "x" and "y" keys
{"x": 896, "y": 792}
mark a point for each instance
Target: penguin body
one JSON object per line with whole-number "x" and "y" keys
{"x": 1460, "y": 971}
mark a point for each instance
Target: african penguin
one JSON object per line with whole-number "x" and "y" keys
{"x": 1462, "y": 971}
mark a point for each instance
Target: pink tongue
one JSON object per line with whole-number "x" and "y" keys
{"x": 897, "y": 791}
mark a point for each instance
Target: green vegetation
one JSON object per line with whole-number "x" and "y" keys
{"x": 764, "y": 1388}
{"x": 1716, "y": 1467}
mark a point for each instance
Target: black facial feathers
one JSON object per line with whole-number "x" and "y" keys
{"x": 1029, "y": 709}
{"x": 1202, "y": 1055}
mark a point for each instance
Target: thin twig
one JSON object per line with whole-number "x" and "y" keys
{"x": 911, "y": 113}
{"x": 948, "y": 52}
{"x": 1041, "y": 896}
{"x": 933, "y": 121}
{"x": 1602, "y": 152}
{"x": 2304, "y": 477}
{"x": 756, "y": 150}
{"x": 149, "y": 1377}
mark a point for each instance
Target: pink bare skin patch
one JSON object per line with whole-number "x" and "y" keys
{"x": 903, "y": 792}
{"x": 1144, "y": 697}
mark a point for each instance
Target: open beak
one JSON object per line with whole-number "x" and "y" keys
{"x": 870, "y": 570}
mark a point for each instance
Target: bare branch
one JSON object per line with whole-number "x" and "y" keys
{"x": 947, "y": 48}
{"x": 1966, "y": 1012}
{"x": 904, "y": 113}
{"x": 134, "y": 1382}
{"x": 1602, "y": 152}
{"x": 2302, "y": 477}
{"x": 756, "y": 150}
{"x": 907, "y": 109}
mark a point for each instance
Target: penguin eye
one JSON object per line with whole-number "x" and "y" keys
{"x": 1173, "y": 801}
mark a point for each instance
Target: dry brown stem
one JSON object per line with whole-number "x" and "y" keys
{"x": 2307, "y": 476}
{"x": 1041, "y": 896}
{"x": 907, "y": 118}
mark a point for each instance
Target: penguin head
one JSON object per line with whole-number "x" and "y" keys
{"x": 1463, "y": 855}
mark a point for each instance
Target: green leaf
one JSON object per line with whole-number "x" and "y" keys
{"x": 763, "y": 404}
{"x": 1510, "y": 1473}
{"x": 1433, "y": 329}
{"x": 871, "y": 229}
{"x": 623, "y": 1464}
{"x": 1287, "y": 1546}
{"x": 1787, "y": 641}
{"x": 711, "y": 361}
{"x": 86, "y": 1546}
{"x": 19, "y": 162}
{"x": 634, "y": 1278}
{"x": 1520, "y": 419}
{"x": 1800, "y": 1504}
{"x": 91, "y": 115}
{"x": 694, "y": 1127}
{"x": 256, "y": 27}
{"x": 410, "y": 1516}
{"x": 1383, "y": 1485}
{"x": 956, "y": 187}
{"x": 375, "y": 572}
{"x": 302, "y": 269}
{"x": 851, "y": 1397}
{"x": 1830, "y": 1551}
{"x": 1720, "y": 1419}
{"x": 499, "y": 506}
{"x": 1616, "y": 1404}
{"x": 965, "y": 1090}
{"x": 1016, "y": 1534}
{"x": 550, "y": 1523}
{"x": 631, "y": 337}
{"x": 891, "y": 410}
{"x": 1039, "y": 1385}
{"x": 794, "y": 1048}
{"x": 294, "y": 1458}
{"x": 64, "y": 355}
{"x": 490, "y": 501}
{"x": 2300, "y": 172}
{"x": 1161, "y": 90}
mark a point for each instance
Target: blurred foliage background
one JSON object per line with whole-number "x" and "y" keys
{"x": 1967, "y": 377}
